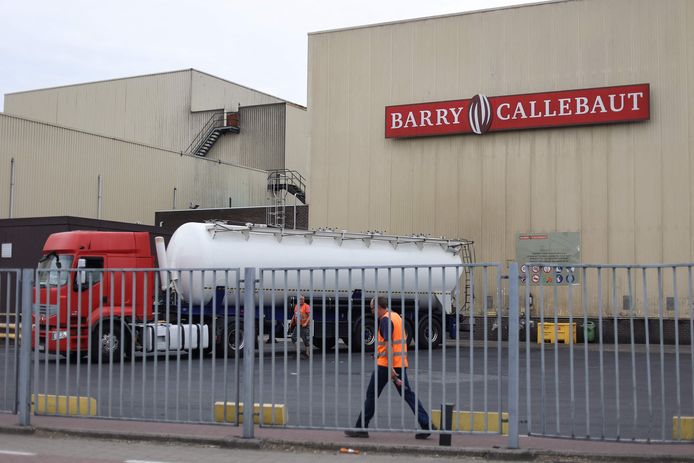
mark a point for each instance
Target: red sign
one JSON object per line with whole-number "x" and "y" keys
{"x": 481, "y": 114}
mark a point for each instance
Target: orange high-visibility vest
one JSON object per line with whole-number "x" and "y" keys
{"x": 304, "y": 318}
{"x": 398, "y": 342}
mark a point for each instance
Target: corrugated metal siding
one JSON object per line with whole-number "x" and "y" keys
{"x": 626, "y": 187}
{"x": 210, "y": 92}
{"x": 154, "y": 110}
{"x": 164, "y": 110}
{"x": 260, "y": 144}
{"x": 296, "y": 153}
{"x": 57, "y": 169}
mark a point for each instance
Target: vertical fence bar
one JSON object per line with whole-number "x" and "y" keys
{"x": 249, "y": 350}
{"x": 615, "y": 331}
{"x": 572, "y": 393}
{"x": 555, "y": 293}
{"x": 586, "y": 369}
{"x": 675, "y": 294}
{"x": 471, "y": 347}
{"x": 600, "y": 348}
{"x": 690, "y": 305}
{"x": 647, "y": 340}
{"x": 349, "y": 344}
{"x": 528, "y": 396}
{"x": 662, "y": 353}
{"x": 24, "y": 371}
{"x": 499, "y": 348}
{"x": 633, "y": 353}
{"x": 35, "y": 313}
{"x": 513, "y": 355}
{"x": 485, "y": 336}
{"x": 543, "y": 387}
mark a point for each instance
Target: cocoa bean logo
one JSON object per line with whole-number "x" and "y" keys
{"x": 480, "y": 114}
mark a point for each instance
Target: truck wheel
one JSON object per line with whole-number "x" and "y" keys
{"x": 364, "y": 334}
{"x": 425, "y": 335}
{"x": 107, "y": 343}
{"x": 233, "y": 339}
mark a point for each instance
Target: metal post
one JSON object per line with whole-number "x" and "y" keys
{"x": 513, "y": 356}
{"x": 174, "y": 198}
{"x": 446, "y": 424}
{"x": 24, "y": 372}
{"x": 248, "y": 350}
{"x": 11, "y": 214}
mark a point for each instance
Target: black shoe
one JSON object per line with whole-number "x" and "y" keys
{"x": 422, "y": 435}
{"x": 349, "y": 433}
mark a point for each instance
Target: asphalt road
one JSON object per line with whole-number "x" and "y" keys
{"x": 606, "y": 394}
{"x": 72, "y": 449}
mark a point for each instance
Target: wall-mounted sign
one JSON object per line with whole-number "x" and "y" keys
{"x": 558, "y": 252}
{"x": 6, "y": 250}
{"x": 481, "y": 114}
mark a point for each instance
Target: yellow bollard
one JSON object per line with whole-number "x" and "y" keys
{"x": 47, "y": 404}
{"x": 278, "y": 419}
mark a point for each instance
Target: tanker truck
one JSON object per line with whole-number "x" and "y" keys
{"x": 101, "y": 292}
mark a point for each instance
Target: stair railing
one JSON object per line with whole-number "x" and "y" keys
{"x": 216, "y": 121}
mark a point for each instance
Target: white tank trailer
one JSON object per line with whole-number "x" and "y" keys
{"x": 335, "y": 271}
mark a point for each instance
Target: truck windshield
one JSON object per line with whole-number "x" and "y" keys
{"x": 50, "y": 266}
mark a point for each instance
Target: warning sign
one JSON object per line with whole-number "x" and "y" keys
{"x": 551, "y": 254}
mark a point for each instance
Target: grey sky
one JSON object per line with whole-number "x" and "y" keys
{"x": 260, "y": 44}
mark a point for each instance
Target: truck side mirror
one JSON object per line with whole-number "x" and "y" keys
{"x": 81, "y": 276}
{"x": 82, "y": 263}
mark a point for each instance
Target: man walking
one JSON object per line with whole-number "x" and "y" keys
{"x": 302, "y": 317}
{"x": 391, "y": 364}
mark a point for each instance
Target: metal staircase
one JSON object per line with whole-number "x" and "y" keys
{"x": 280, "y": 183}
{"x": 219, "y": 124}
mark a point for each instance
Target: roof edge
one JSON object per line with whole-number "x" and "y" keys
{"x": 100, "y": 81}
{"x": 426, "y": 18}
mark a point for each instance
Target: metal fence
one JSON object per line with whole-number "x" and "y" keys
{"x": 328, "y": 390}
{"x": 9, "y": 337}
{"x": 608, "y": 356}
{"x": 134, "y": 363}
{"x": 625, "y": 367}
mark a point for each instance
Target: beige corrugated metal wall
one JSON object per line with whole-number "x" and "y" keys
{"x": 56, "y": 172}
{"x": 296, "y": 154}
{"x": 208, "y": 92}
{"x": 165, "y": 110}
{"x": 625, "y": 187}
{"x": 261, "y": 141}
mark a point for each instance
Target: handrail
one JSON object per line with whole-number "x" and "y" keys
{"x": 285, "y": 177}
{"x": 217, "y": 120}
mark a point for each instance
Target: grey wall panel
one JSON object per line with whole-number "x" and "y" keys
{"x": 154, "y": 109}
{"x": 209, "y": 92}
{"x": 260, "y": 144}
{"x": 296, "y": 152}
{"x": 165, "y": 110}
{"x": 57, "y": 171}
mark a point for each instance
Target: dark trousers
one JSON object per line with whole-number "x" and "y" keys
{"x": 383, "y": 379}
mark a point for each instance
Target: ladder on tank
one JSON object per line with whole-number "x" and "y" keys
{"x": 280, "y": 183}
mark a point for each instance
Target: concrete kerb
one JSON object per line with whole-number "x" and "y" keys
{"x": 232, "y": 442}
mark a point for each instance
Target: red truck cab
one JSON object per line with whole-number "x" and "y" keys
{"x": 83, "y": 301}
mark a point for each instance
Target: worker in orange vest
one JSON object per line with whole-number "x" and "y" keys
{"x": 391, "y": 364}
{"x": 302, "y": 313}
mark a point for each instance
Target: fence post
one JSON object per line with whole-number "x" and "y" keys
{"x": 513, "y": 355}
{"x": 248, "y": 350}
{"x": 24, "y": 371}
